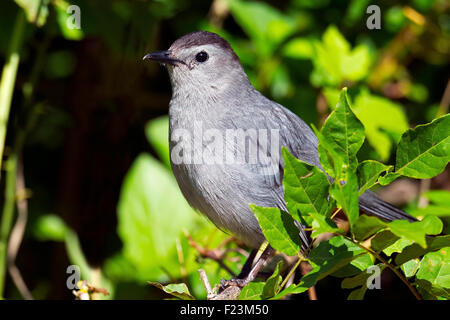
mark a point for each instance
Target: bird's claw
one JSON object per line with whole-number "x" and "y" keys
{"x": 232, "y": 283}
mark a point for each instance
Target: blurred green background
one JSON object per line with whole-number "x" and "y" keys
{"x": 85, "y": 164}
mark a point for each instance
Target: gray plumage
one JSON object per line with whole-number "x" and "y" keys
{"x": 217, "y": 95}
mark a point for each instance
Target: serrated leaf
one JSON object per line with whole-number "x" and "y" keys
{"x": 340, "y": 138}
{"x": 305, "y": 188}
{"x": 179, "y": 290}
{"x": 279, "y": 229}
{"x": 252, "y": 291}
{"x": 366, "y": 226}
{"x": 345, "y": 132}
{"x": 424, "y": 152}
{"x": 368, "y": 173}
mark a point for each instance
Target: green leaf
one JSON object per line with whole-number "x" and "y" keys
{"x": 440, "y": 197}
{"x": 366, "y": 226}
{"x": 273, "y": 283}
{"x": 434, "y": 272}
{"x": 299, "y": 48}
{"x": 382, "y": 240}
{"x": 384, "y": 121}
{"x": 322, "y": 224}
{"x": 305, "y": 188}
{"x": 329, "y": 157}
{"x": 398, "y": 246}
{"x": 340, "y": 138}
{"x": 415, "y": 250}
{"x": 179, "y": 290}
{"x": 354, "y": 267}
{"x": 252, "y": 291}
{"x": 345, "y": 192}
{"x": 157, "y": 133}
{"x": 388, "y": 178}
{"x": 368, "y": 173}
{"x": 152, "y": 213}
{"x": 35, "y": 10}
{"x": 345, "y": 132}
{"x": 334, "y": 61}
{"x": 326, "y": 259}
{"x": 416, "y": 231}
{"x": 279, "y": 229}
{"x": 359, "y": 280}
{"x": 410, "y": 268}
{"x": 424, "y": 152}
{"x": 50, "y": 227}
{"x": 269, "y": 29}
{"x": 440, "y": 204}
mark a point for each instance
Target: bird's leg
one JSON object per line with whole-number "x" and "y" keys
{"x": 248, "y": 272}
{"x": 247, "y": 265}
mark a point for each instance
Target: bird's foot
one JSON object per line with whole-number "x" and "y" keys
{"x": 224, "y": 284}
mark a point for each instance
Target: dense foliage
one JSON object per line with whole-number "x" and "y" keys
{"x": 86, "y": 176}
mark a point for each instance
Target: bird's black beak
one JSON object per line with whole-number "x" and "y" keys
{"x": 162, "y": 57}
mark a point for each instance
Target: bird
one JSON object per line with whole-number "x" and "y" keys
{"x": 213, "y": 103}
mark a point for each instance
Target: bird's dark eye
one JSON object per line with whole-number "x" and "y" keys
{"x": 201, "y": 56}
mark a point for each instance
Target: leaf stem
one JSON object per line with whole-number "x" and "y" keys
{"x": 291, "y": 272}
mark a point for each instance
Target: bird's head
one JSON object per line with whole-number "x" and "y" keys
{"x": 201, "y": 61}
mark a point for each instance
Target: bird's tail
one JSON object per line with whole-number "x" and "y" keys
{"x": 371, "y": 204}
{"x": 305, "y": 237}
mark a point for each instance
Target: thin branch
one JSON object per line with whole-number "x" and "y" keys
{"x": 17, "y": 233}
{"x": 209, "y": 291}
{"x": 390, "y": 266}
{"x": 291, "y": 273}
{"x": 216, "y": 254}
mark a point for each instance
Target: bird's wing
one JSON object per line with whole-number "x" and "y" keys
{"x": 284, "y": 129}
{"x": 369, "y": 202}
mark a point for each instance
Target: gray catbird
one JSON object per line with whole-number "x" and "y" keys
{"x": 213, "y": 99}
